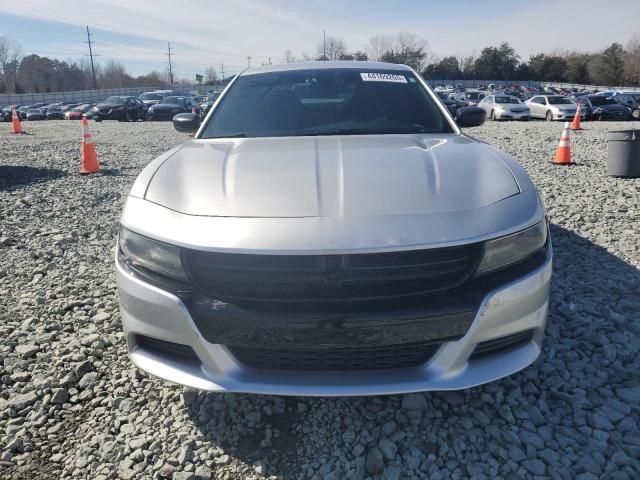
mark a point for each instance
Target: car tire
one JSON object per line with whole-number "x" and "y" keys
{"x": 549, "y": 116}
{"x": 127, "y": 116}
{"x": 601, "y": 117}
{"x": 636, "y": 114}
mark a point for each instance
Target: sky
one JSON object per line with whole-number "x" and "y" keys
{"x": 206, "y": 33}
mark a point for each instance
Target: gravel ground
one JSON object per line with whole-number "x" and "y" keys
{"x": 72, "y": 406}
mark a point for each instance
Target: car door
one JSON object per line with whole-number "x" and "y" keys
{"x": 538, "y": 107}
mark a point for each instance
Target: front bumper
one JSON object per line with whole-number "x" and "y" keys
{"x": 520, "y": 305}
{"x": 509, "y": 115}
{"x": 160, "y": 114}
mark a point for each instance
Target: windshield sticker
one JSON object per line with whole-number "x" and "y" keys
{"x": 383, "y": 77}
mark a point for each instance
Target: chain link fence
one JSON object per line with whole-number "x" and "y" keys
{"x": 88, "y": 95}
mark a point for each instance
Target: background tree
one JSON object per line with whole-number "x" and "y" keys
{"x": 331, "y": 49}
{"x": 378, "y": 46}
{"x": 608, "y": 67}
{"x": 632, "y": 61}
{"x": 9, "y": 60}
{"x": 408, "y": 49}
{"x": 445, "y": 69}
{"x": 210, "y": 76}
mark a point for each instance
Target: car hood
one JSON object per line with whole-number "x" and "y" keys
{"x": 109, "y": 105}
{"x": 331, "y": 176}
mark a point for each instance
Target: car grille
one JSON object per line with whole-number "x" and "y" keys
{"x": 374, "y": 358}
{"x": 237, "y": 278}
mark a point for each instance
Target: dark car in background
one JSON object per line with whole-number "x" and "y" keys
{"x": 600, "y": 107}
{"x": 54, "y": 112}
{"x": 171, "y": 106}
{"x": 450, "y": 103}
{"x": 35, "y": 114}
{"x": 123, "y": 108}
{"x": 207, "y": 103}
{"x": 468, "y": 99}
{"x": 630, "y": 100}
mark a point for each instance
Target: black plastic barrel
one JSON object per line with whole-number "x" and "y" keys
{"x": 624, "y": 153}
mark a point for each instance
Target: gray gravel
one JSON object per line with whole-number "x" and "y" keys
{"x": 72, "y": 406}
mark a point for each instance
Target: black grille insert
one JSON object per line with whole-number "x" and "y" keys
{"x": 501, "y": 344}
{"x": 237, "y": 278}
{"x": 339, "y": 359}
{"x": 166, "y": 349}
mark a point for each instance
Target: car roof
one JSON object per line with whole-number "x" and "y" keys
{"x": 320, "y": 65}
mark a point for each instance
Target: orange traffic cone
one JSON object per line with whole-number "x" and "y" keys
{"x": 563, "y": 152}
{"x": 575, "y": 125}
{"x": 89, "y": 158}
{"x": 15, "y": 121}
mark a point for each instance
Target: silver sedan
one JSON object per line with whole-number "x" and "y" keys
{"x": 504, "y": 107}
{"x": 552, "y": 107}
{"x": 329, "y": 230}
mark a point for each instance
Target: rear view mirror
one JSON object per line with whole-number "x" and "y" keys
{"x": 186, "y": 122}
{"x": 470, "y": 117}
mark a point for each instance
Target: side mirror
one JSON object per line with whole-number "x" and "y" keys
{"x": 186, "y": 122}
{"x": 470, "y": 117}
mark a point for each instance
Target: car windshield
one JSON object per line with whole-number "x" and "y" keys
{"x": 559, "y": 100}
{"x": 52, "y": 108}
{"x": 340, "y": 101}
{"x": 150, "y": 96}
{"x": 473, "y": 95}
{"x": 175, "y": 100}
{"x": 115, "y": 100}
{"x": 34, "y": 110}
{"x": 602, "y": 100}
{"x": 507, "y": 99}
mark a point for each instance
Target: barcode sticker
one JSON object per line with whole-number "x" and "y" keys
{"x": 383, "y": 77}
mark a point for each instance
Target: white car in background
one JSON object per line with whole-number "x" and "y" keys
{"x": 552, "y": 107}
{"x": 504, "y": 107}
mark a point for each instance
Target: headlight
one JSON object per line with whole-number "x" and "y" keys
{"x": 150, "y": 254}
{"x": 501, "y": 108}
{"x": 504, "y": 251}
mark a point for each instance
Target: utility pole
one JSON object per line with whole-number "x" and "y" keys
{"x": 222, "y": 70}
{"x": 93, "y": 69}
{"x": 324, "y": 44}
{"x": 170, "y": 67}
{"x": 269, "y": 61}
{"x": 248, "y": 61}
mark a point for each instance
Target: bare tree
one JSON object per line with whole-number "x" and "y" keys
{"x": 378, "y": 45}
{"x": 114, "y": 75}
{"x": 331, "y": 49}
{"x": 9, "y": 59}
{"x": 210, "y": 76}
{"x": 632, "y": 61}
{"x": 289, "y": 57}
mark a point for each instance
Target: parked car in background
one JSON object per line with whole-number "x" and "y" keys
{"x": 171, "y": 106}
{"x": 468, "y": 99}
{"x": 68, "y": 106}
{"x": 151, "y": 98}
{"x": 54, "y": 112}
{"x": 35, "y": 114}
{"x": 630, "y": 100}
{"x": 600, "y": 107}
{"x": 607, "y": 93}
{"x": 22, "y": 111}
{"x": 341, "y": 240}
{"x": 125, "y": 109}
{"x": 504, "y": 107}
{"x": 552, "y": 107}
{"x": 77, "y": 112}
{"x": 449, "y": 102}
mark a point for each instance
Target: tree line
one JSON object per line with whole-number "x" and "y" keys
{"x": 614, "y": 65}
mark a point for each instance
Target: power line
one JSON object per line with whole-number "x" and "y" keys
{"x": 93, "y": 69}
{"x": 170, "y": 67}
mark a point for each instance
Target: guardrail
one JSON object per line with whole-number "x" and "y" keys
{"x": 86, "y": 95}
